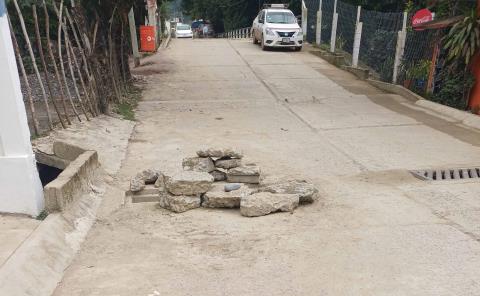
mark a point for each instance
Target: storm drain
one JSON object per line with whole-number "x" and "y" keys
{"x": 447, "y": 174}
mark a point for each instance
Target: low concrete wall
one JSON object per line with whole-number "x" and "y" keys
{"x": 334, "y": 59}
{"x": 465, "y": 118}
{"x": 51, "y": 160}
{"x": 72, "y": 182}
{"x": 67, "y": 151}
{"x": 362, "y": 74}
{"x": 395, "y": 89}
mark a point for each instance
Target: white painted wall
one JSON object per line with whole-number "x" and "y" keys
{"x": 20, "y": 187}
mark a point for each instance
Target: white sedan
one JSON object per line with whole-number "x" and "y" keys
{"x": 277, "y": 27}
{"x": 183, "y": 31}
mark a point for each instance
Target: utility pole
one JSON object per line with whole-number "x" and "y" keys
{"x": 20, "y": 188}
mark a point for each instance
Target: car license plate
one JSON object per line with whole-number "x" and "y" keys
{"x": 285, "y": 40}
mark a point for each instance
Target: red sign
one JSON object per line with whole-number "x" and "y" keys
{"x": 147, "y": 38}
{"x": 422, "y": 16}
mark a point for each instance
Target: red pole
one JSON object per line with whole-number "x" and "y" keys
{"x": 475, "y": 66}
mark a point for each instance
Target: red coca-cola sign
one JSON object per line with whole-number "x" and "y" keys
{"x": 422, "y": 16}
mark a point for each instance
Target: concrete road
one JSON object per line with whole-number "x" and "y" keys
{"x": 376, "y": 230}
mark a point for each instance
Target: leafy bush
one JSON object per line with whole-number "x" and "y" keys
{"x": 455, "y": 90}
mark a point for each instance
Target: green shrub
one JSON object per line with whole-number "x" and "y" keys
{"x": 455, "y": 90}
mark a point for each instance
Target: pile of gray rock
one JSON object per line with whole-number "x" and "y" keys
{"x": 217, "y": 178}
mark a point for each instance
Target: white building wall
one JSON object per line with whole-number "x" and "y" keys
{"x": 20, "y": 187}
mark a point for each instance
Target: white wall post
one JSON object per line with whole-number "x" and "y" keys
{"x": 304, "y": 20}
{"x": 400, "y": 49}
{"x": 20, "y": 188}
{"x": 318, "y": 35}
{"x": 133, "y": 38}
{"x": 358, "y": 39}
{"x": 333, "y": 38}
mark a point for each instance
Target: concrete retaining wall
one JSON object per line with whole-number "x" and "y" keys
{"x": 72, "y": 182}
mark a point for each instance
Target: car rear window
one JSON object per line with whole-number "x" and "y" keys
{"x": 183, "y": 27}
{"x": 281, "y": 17}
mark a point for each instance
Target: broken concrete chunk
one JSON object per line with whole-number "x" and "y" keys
{"x": 143, "y": 178}
{"x": 228, "y": 163}
{"x": 198, "y": 164}
{"x": 160, "y": 183}
{"x": 149, "y": 176}
{"x": 307, "y": 192}
{"x": 179, "y": 204}
{"x": 222, "y": 199}
{"x": 243, "y": 179}
{"x": 218, "y": 175}
{"x": 219, "y": 153}
{"x": 188, "y": 182}
{"x": 232, "y": 187}
{"x": 247, "y": 170}
{"x": 264, "y": 203}
{"x": 137, "y": 184}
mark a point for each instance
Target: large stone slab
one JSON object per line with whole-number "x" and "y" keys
{"x": 246, "y": 170}
{"x": 244, "y": 174}
{"x": 188, "y": 182}
{"x": 264, "y": 203}
{"x": 198, "y": 164}
{"x": 307, "y": 192}
{"x": 243, "y": 179}
{"x": 179, "y": 204}
{"x": 222, "y": 199}
{"x": 228, "y": 163}
{"x": 219, "y": 153}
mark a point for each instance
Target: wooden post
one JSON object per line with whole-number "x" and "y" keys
{"x": 54, "y": 62}
{"x": 32, "y": 56}
{"x": 133, "y": 38}
{"x": 36, "y": 127}
{"x": 44, "y": 64}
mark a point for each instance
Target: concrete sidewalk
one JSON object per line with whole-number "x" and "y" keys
{"x": 377, "y": 230}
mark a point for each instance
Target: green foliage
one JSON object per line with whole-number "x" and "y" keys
{"x": 381, "y": 52}
{"x": 227, "y": 15}
{"x": 419, "y": 70}
{"x": 463, "y": 39}
{"x": 455, "y": 90}
{"x": 127, "y": 108}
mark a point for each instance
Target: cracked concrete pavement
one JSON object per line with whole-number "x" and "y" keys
{"x": 376, "y": 229}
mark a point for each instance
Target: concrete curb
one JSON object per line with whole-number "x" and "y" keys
{"x": 395, "y": 89}
{"x": 465, "y": 118}
{"x": 72, "y": 182}
{"x": 38, "y": 265}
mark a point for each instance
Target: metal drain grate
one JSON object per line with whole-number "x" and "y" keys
{"x": 447, "y": 174}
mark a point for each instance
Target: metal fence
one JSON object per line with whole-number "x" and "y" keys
{"x": 237, "y": 34}
{"x": 385, "y": 45}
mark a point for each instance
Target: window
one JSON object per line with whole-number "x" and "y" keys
{"x": 183, "y": 27}
{"x": 281, "y": 17}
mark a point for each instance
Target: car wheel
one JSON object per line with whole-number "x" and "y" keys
{"x": 264, "y": 47}
{"x": 298, "y": 48}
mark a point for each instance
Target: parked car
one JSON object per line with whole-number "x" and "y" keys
{"x": 183, "y": 31}
{"x": 277, "y": 26}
